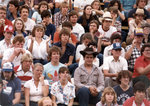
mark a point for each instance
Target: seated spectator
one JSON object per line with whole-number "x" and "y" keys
{"x": 24, "y": 71}
{"x": 114, "y": 13}
{"x": 43, "y": 5}
{"x": 120, "y": 13}
{"x": 51, "y": 74}
{"x": 72, "y": 38}
{"x": 38, "y": 46}
{"x": 146, "y": 31}
{"x": 86, "y": 39}
{"x": 93, "y": 29}
{"x": 139, "y": 4}
{"x": 12, "y": 83}
{"x": 29, "y": 23}
{"x": 80, "y": 5}
{"x": 77, "y": 29}
{"x": 113, "y": 65}
{"x": 5, "y": 100}
{"x": 85, "y": 19}
{"x": 37, "y": 87}
{"x": 124, "y": 91}
{"x": 6, "y": 42}
{"x": 96, "y": 10}
{"x": 139, "y": 96}
{"x": 92, "y": 45}
{"x": 15, "y": 53}
{"x": 88, "y": 79}
{"x": 62, "y": 16}
{"x": 142, "y": 66}
{"x": 115, "y": 38}
{"x": 19, "y": 27}
{"x": 109, "y": 98}
{"x": 3, "y": 21}
{"x": 61, "y": 88}
{"x": 106, "y": 30}
{"x": 45, "y": 101}
{"x": 68, "y": 50}
{"x": 127, "y": 5}
{"x": 133, "y": 50}
{"x": 12, "y": 12}
{"x": 50, "y": 28}
{"x": 137, "y": 21}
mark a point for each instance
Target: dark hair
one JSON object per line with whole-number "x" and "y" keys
{"x": 93, "y": 44}
{"x": 137, "y": 2}
{"x": 24, "y": 7}
{"x": 113, "y": 2}
{"x": 72, "y": 13}
{"x": 139, "y": 86}
{"x": 144, "y": 46}
{"x": 12, "y": 76}
{"x": 45, "y": 13}
{"x": 84, "y": 21}
{"x": 123, "y": 74}
{"x": 53, "y": 49}
{"x": 3, "y": 8}
{"x": 87, "y": 36}
{"x": 67, "y": 24}
{"x": 64, "y": 31}
{"x": 63, "y": 69}
{"x": 40, "y": 4}
{"x": 114, "y": 10}
{"x": 15, "y": 3}
{"x": 115, "y": 35}
{"x": 96, "y": 22}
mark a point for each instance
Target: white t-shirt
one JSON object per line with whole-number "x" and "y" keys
{"x": 17, "y": 60}
{"x": 108, "y": 33}
{"x": 3, "y": 46}
{"x": 29, "y": 24}
{"x": 78, "y": 30}
{"x": 80, "y": 4}
{"x": 115, "y": 66}
{"x": 35, "y": 93}
{"x": 39, "y": 51}
{"x": 79, "y": 48}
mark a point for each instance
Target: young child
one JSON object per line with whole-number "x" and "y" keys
{"x": 109, "y": 98}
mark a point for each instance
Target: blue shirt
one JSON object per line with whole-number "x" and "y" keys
{"x": 70, "y": 51}
{"x": 51, "y": 73}
{"x": 128, "y": 4}
{"x": 13, "y": 86}
{"x": 50, "y": 30}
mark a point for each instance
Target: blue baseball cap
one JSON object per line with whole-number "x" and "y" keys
{"x": 116, "y": 46}
{"x": 8, "y": 66}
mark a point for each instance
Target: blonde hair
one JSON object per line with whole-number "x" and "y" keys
{"x": 26, "y": 57}
{"x": 23, "y": 26}
{"x": 38, "y": 64}
{"x": 108, "y": 90}
{"x": 40, "y": 102}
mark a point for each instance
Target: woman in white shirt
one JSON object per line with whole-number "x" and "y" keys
{"x": 37, "y": 87}
{"x": 37, "y": 45}
{"x": 63, "y": 92}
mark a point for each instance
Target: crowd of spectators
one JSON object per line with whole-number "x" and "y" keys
{"x": 53, "y": 53}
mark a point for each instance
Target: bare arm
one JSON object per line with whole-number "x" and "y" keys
{"x": 27, "y": 96}
{"x": 121, "y": 15}
{"x": 70, "y": 60}
{"x": 99, "y": 44}
{"x": 143, "y": 71}
{"x": 31, "y": 45}
{"x": 107, "y": 74}
{"x": 16, "y": 100}
{"x": 54, "y": 100}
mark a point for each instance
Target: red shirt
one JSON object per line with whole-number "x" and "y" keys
{"x": 140, "y": 62}
{"x": 129, "y": 102}
{"x": 7, "y": 22}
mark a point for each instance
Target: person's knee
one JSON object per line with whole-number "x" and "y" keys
{"x": 83, "y": 90}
